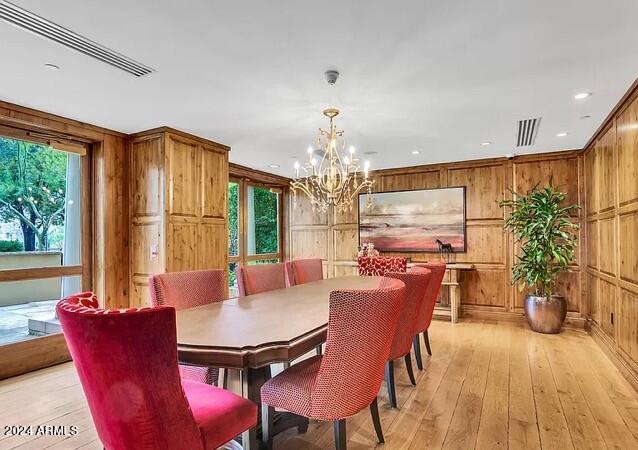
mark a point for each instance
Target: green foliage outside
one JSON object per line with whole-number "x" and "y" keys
{"x": 11, "y": 246}
{"x": 233, "y": 219}
{"x": 32, "y": 189}
{"x": 266, "y": 225}
{"x": 541, "y": 224}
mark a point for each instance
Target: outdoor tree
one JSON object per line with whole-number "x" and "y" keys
{"x": 266, "y": 228}
{"x": 32, "y": 189}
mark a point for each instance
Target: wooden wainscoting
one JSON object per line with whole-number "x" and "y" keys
{"x": 611, "y": 191}
{"x": 486, "y": 291}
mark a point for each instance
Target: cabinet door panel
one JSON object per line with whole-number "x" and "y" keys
{"x": 212, "y": 247}
{"x": 146, "y": 177}
{"x": 184, "y": 163}
{"x": 214, "y": 183}
{"x": 182, "y": 247}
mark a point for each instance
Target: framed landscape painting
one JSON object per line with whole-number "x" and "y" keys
{"x": 413, "y": 221}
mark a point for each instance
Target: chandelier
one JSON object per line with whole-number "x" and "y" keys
{"x": 333, "y": 180}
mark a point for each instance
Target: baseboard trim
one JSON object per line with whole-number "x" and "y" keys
{"x": 572, "y": 321}
{"x": 609, "y": 348}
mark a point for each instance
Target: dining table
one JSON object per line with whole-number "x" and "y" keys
{"x": 251, "y": 333}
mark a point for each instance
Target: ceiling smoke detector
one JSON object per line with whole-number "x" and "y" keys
{"x": 331, "y": 76}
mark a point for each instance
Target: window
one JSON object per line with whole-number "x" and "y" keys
{"x": 233, "y": 219}
{"x": 263, "y": 221}
{"x": 41, "y": 222}
{"x": 254, "y": 226}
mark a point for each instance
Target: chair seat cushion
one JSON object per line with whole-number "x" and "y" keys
{"x": 291, "y": 389}
{"x": 220, "y": 414}
{"x": 206, "y": 375}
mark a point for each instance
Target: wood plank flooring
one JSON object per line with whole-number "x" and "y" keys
{"x": 489, "y": 385}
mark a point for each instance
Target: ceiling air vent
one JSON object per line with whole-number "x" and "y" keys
{"x": 28, "y": 21}
{"x": 526, "y": 131}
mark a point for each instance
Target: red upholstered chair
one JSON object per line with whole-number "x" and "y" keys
{"x": 416, "y": 283}
{"x": 378, "y": 266}
{"x": 253, "y": 279}
{"x": 183, "y": 290}
{"x": 127, "y": 363}
{"x": 425, "y": 315}
{"x": 346, "y": 379}
{"x": 300, "y": 271}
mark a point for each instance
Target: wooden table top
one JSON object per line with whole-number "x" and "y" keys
{"x": 260, "y": 329}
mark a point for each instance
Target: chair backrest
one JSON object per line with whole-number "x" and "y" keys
{"x": 119, "y": 356}
{"x": 434, "y": 287}
{"x": 188, "y": 289}
{"x": 416, "y": 282}
{"x": 361, "y": 326}
{"x": 378, "y": 266}
{"x": 300, "y": 271}
{"x": 253, "y": 279}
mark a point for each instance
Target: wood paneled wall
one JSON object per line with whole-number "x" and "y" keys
{"x": 611, "y": 191}
{"x": 486, "y": 290}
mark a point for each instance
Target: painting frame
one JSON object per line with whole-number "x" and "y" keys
{"x": 417, "y": 250}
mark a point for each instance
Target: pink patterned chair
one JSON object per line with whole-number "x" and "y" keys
{"x": 301, "y": 271}
{"x": 183, "y": 290}
{"x": 416, "y": 283}
{"x": 120, "y": 355}
{"x": 427, "y": 311}
{"x": 346, "y": 379}
{"x": 377, "y": 266}
{"x": 253, "y": 279}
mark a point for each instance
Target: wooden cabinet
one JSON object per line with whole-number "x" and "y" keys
{"x": 179, "y": 188}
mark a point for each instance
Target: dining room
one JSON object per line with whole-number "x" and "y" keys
{"x": 413, "y": 229}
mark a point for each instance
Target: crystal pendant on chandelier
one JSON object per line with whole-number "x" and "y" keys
{"x": 333, "y": 180}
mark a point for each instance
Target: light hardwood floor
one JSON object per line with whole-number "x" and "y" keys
{"x": 489, "y": 385}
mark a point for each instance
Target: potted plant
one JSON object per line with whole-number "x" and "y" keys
{"x": 542, "y": 226}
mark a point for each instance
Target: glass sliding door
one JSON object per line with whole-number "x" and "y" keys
{"x": 44, "y": 213}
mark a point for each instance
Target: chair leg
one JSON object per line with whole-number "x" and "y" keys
{"x": 319, "y": 351}
{"x": 389, "y": 379}
{"x": 267, "y": 413}
{"x": 408, "y": 366}
{"x": 376, "y": 420}
{"x": 340, "y": 434}
{"x": 416, "y": 345}
{"x": 427, "y": 342}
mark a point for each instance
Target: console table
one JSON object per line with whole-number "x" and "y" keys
{"x": 453, "y": 280}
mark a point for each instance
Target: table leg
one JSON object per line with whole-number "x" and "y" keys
{"x": 251, "y": 382}
{"x": 454, "y": 296}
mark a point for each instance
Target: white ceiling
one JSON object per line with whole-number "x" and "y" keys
{"x": 440, "y": 77}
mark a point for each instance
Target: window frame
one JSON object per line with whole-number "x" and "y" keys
{"x": 37, "y": 352}
{"x": 244, "y": 258}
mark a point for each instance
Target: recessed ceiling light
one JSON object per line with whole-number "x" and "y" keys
{"x": 51, "y": 67}
{"x": 416, "y": 152}
{"x": 274, "y": 166}
{"x": 485, "y": 143}
{"x": 582, "y": 95}
{"x": 562, "y": 134}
